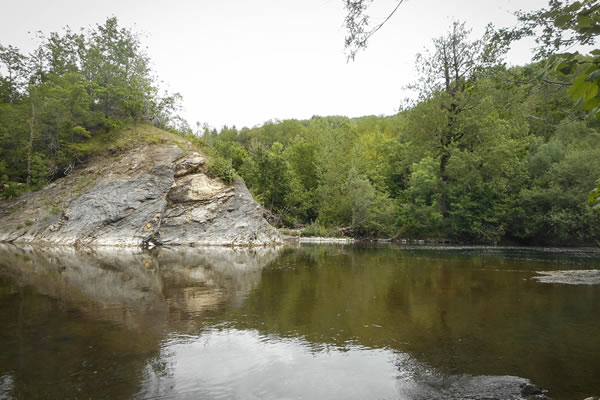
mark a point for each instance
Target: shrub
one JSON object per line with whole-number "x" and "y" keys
{"x": 222, "y": 168}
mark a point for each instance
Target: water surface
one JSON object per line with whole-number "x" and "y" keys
{"x": 316, "y": 321}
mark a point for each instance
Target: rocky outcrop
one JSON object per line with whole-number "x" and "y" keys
{"x": 150, "y": 195}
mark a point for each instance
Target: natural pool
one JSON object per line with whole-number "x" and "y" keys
{"x": 311, "y": 321}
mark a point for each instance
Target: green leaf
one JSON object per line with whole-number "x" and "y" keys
{"x": 593, "y": 76}
{"x": 578, "y": 88}
{"x": 542, "y": 75}
{"x": 573, "y": 7}
{"x": 593, "y": 103}
{"x": 562, "y": 20}
{"x": 584, "y": 21}
{"x": 591, "y": 90}
{"x": 566, "y": 67}
{"x": 593, "y": 114}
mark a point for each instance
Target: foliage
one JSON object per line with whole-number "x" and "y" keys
{"x": 557, "y": 29}
{"x": 315, "y": 229}
{"x": 487, "y": 154}
{"x": 520, "y": 168}
{"x": 72, "y": 90}
{"x": 222, "y": 168}
{"x": 595, "y": 196}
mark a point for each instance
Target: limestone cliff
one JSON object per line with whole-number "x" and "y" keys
{"x": 154, "y": 193}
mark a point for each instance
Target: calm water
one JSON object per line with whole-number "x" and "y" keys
{"x": 312, "y": 322}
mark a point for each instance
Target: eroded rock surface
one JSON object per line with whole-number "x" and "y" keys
{"x": 196, "y": 187}
{"x": 152, "y": 194}
{"x": 189, "y": 164}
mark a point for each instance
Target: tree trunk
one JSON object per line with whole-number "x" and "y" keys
{"x": 30, "y": 145}
{"x": 443, "y": 178}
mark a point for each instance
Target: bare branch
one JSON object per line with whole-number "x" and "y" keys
{"x": 357, "y": 24}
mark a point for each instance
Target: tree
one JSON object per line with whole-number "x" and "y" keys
{"x": 13, "y": 79}
{"x": 448, "y": 76}
{"x": 556, "y": 29}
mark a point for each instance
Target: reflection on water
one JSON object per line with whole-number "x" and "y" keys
{"x": 245, "y": 364}
{"x": 85, "y": 323}
{"x": 251, "y": 365}
{"x": 308, "y": 322}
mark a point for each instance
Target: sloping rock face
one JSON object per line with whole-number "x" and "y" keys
{"x": 152, "y": 194}
{"x": 226, "y": 217}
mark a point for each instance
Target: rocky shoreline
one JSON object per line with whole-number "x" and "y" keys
{"x": 151, "y": 195}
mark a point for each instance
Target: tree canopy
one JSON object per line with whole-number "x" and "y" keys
{"x": 487, "y": 153}
{"x": 60, "y": 102}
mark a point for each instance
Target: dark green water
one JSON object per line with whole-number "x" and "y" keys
{"x": 313, "y": 322}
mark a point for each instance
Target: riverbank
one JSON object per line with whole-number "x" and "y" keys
{"x": 335, "y": 235}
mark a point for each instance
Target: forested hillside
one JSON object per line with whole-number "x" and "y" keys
{"x": 487, "y": 154}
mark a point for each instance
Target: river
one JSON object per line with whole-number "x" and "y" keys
{"x": 300, "y": 322}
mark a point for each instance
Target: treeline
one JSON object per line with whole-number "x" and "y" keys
{"x": 61, "y": 103}
{"x": 488, "y": 154}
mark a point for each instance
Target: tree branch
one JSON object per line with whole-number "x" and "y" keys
{"x": 378, "y": 27}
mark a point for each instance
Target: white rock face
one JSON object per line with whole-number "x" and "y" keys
{"x": 196, "y": 187}
{"x": 148, "y": 195}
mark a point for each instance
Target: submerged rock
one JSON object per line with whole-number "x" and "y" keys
{"x": 571, "y": 277}
{"x": 528, "y": 389}
{"x": 148, "y": 196}
{"x": 464, "y": 387}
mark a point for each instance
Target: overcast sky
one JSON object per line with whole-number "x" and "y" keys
{"x": 242, "y": 62}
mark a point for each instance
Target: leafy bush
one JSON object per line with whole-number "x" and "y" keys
{"x": 12, "y": 189}
{"x": 221, "y": 168}
{"x": 315, "y": 229}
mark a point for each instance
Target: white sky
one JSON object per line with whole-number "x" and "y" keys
{"x": 241, "y": 62}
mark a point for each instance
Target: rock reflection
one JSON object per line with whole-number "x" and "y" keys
{"x": 128, "y": 285}
{"x": 198, "y": 280}
{"x": 117, "y": 286}
{"x": 87, "y": 323}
